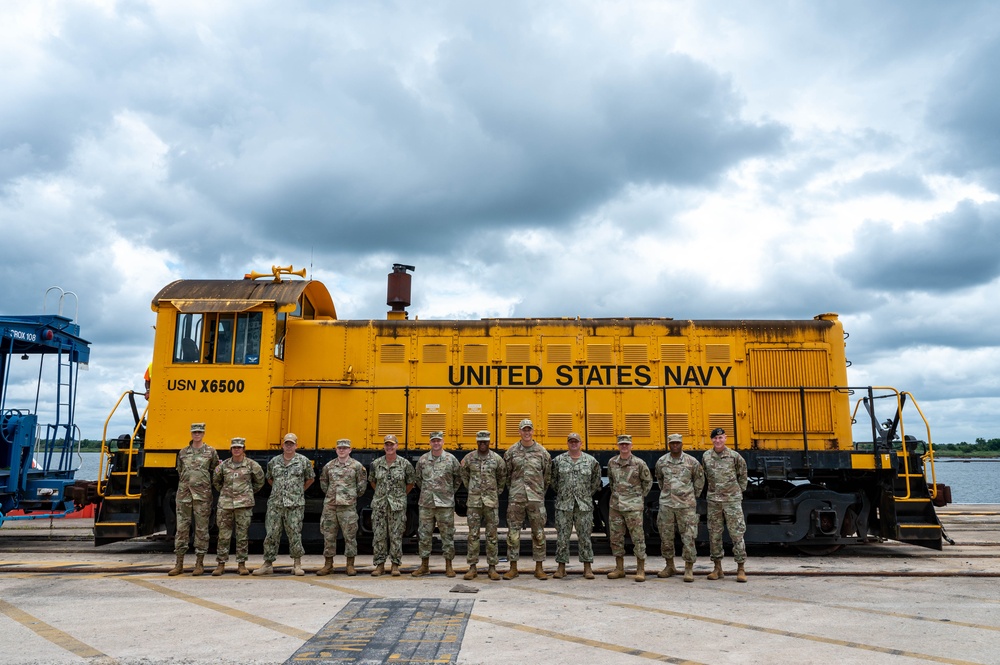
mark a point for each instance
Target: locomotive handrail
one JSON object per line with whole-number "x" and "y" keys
{"x": 106, "y": 453}
{"x": 928, "y": 457}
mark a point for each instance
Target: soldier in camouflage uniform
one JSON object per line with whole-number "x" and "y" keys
{"x": 576, "y": 476}
{"x": 289, "y": 475}
{"x": 681, "y": 480}
{"x": 392, "y": 478}
{"x": 726, "y": 473}
{"x": 236, "y": 479}
{"x": 195, "y": 464}
{"x": 529, "y": 473}
{"x": 343, "y": 481}
{"x": 485, "y": 475}
{"x": 630, "y": 482}
{"x": 438, "y": 475}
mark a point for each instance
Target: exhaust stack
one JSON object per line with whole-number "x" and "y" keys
{"x": 397, "y": 295}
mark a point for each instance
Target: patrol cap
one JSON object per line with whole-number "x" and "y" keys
{"x": 573, "y": 436}
{"x": 483, "y": 435}
{"x": 343, "y": 443}
{"x": 675, "y": 438}
{"x": 624, "y": 438}
{"x": 391, "y": 438}
{"x": 526, "y": 423}
{"x": 197, "y": 427}
{"x": 290, "y": 437}
{"x": 437, "y": 435}
{"x": 238, "y": 442}
{"x": 716, "y": 432}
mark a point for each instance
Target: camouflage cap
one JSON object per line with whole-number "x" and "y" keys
{"x": 436, "y": 435}
{"x": 573, "y": 436}
{"x": 290, "y": 437}
{"x": 716, "y": 432}
{"x": 526, "y": 423}
{"x": 483, "y": 435}
{"x": 343, "y": 443}
{"x": 197, "y": 427}
{"x": 624, "y": 438}
{"x": 675, "y": 438}
{"x": 391, "y": 438}
{"x": 237, "y": 442}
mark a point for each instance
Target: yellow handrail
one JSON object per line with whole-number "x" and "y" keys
{"x": 106, "y": 454}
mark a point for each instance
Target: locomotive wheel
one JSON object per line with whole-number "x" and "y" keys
{"x": 812, "y": 550}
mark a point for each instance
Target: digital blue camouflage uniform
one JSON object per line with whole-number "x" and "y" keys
{"x": 484, "y": 476}
{"x": 575, "y": 482}
{"x": 389, "y": 507}
{"x": 529, "y": 474}
{"x": 726, "y": 474}
{"x": 287, "y": 504}
{"x": 237, "y": 484}
{"x": 630, "y": 482}
{"x": 438, "y": 479}
{"x": 681, "y": 481}
{"x": 343, "y": 483}
{"x": 194, "y": 496}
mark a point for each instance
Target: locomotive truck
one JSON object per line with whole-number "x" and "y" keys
{"x": 257, "y": 358}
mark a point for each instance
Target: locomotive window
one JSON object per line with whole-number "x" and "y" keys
{"x": 237, "y": 338}
{"x": 187, "y": 338}
{"x": 279, "y": 335}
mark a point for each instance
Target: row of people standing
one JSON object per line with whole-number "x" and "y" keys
{"x": 526, "y": 469}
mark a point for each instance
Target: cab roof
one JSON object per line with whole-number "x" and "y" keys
{"x": 240, "y": 295}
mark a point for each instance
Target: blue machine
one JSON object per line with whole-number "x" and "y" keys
{"x": 39, "y": 439}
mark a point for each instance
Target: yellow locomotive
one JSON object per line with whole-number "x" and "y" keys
{"x": 257, "y": 358}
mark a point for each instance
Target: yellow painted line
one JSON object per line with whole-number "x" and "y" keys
{"x": 542, "y": 632}
{"x": 228, "y": 611}
{"x": 764, "y": 629}
{"x": 52, "y": 634}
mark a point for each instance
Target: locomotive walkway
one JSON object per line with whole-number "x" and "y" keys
{"x": 62, "y": 601}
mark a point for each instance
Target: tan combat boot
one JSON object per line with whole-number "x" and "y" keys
{"x": 668, "y": 570}
{"x": 327, "y": 566}
{"x": 717, "y": 573}
{"x": 540, "y": 574}
{"x": 619, "y": 571}
{"x": 242, "y": 568}
{"x": 424, "y": 568}
{"x": 178, "y": 567}
{"x": 588, "y": 572}
{"x": 741, "y": 575}
{"x": 379, "y": 570}
{"x": 448, "y": 570}
{"x": 220, "y": 568}
{"x": 395, "y": 570}
{"x": 512, "y": 573}
{"x": 560, "y": 572}
{"x": 688, "y": 572}
{"x": 266, "y": 569}
{"x": 472, "y": 573}
{"x": 351, "y": 572}
{"x": 640, "y": 570}
{"x": 297, "y": 567}
{"x": 494, "y": 575}
{"x": 199, "y": 566}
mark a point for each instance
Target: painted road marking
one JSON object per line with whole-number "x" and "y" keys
{"x": 228, "y": 611}
{"x": 388, "y": 630}
{"x": 53, "y": 634}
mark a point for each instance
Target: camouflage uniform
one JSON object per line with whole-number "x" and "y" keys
{"x": 343, "y": 483}
{"x": 630, "y": 482}
{"x": 389, "y": 507}
{"x": 438, "y": 479}
{"x": 194, "y": 496}
{"x": 287, "y": 504}
{"x": 529, "y": 473}
{"x": 484, "y": 476}
{"x": 236, "y": 483}
{"x": 726, "y": 473}
{"x": 681, "y": 481}
{"x": 575, "y": 482}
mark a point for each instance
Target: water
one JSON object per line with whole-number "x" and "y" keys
{"x": 971, "y": 481}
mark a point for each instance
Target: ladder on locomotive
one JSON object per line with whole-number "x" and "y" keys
{"x": 118, "y": 480}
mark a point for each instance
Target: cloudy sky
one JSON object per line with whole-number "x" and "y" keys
{"x": 681, "y": 159}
